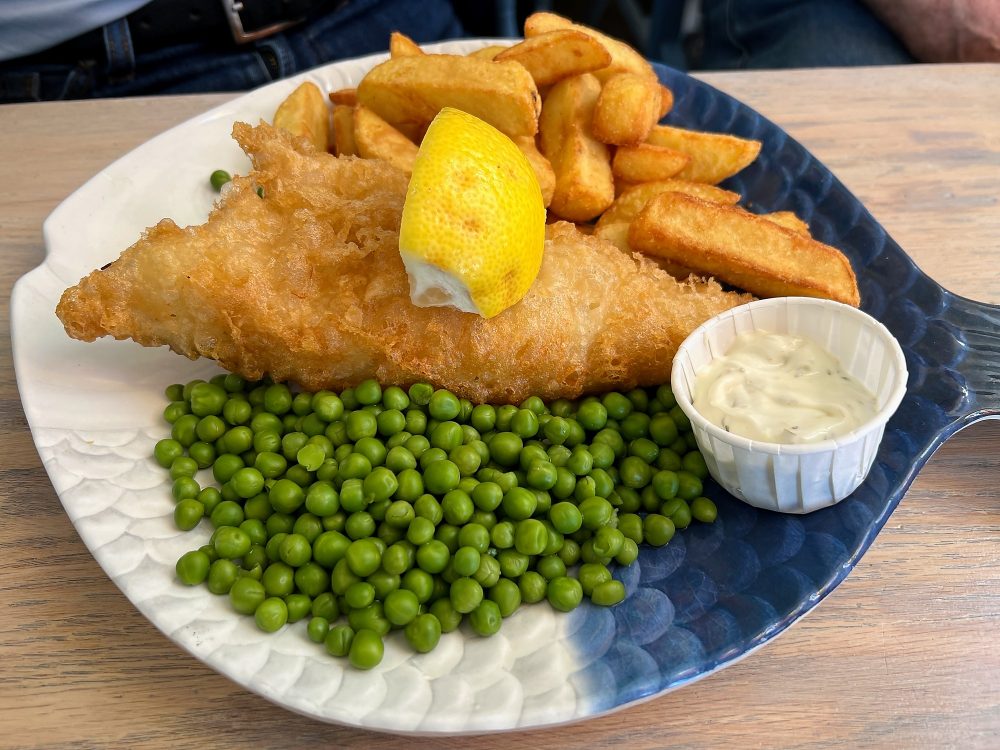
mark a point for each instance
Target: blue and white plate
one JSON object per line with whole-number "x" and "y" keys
{"x": 714, "y": 594}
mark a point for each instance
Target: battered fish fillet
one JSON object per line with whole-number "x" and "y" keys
{"x": 306, "y": 285}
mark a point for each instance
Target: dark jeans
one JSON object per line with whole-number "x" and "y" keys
{"x": 749, "y": 34}
{"x": 355, "y": 28}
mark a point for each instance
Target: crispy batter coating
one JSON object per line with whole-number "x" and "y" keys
{"x": 307, "y": 285}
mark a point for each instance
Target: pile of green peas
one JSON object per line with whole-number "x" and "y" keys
{"x": 380, "y": 509}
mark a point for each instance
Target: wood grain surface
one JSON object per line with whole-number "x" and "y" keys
{"x": 904, "y": 654}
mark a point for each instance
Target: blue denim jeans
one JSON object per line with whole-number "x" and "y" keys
{"x": 355, "y": 28}
{"x": 756, "y": 34}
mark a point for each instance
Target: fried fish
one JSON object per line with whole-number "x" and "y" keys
{"x": 305, "y": 284}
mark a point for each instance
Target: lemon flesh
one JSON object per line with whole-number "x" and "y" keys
{"x": 473, "y": 225}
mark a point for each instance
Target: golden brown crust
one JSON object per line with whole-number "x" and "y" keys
{"x": 307, "y": 285}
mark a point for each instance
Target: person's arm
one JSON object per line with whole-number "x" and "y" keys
{"x": 944, "y": 30}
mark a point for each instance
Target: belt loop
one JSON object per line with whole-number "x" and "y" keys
{"x": 119, "y": 49}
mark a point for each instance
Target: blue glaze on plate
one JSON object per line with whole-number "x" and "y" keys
{"x": 717, "y": 592}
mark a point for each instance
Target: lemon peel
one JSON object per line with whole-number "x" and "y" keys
{"x": 473, "y": 225}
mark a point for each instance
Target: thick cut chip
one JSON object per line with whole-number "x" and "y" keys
{"x": 307, "y": 285}
{"x": 343, "y": 131}
{"x": 628, "y": 205}
{"x": 742, "y": 249}
{"x": 647, "y": 163}
{"x": 666, "y": 101}
{"x": 489, "y": 52}
{"x": 789, "y": 221}
{"x": 540, "y": 165}
{"x": 412, "y": 90}
{"x": 627, "y": 109}
{"x": 400, "y": 45}
{"x": 555, "y": 55}
{"x": 344, "y": 96}
{"x": 714, "y": 156}
{"x": 623, "y": 57}
{"x": 305, "y": 114}
{"x": 617, "y": 234}
{"x": 377, "y": 139}
{"x": 584, "y": 184}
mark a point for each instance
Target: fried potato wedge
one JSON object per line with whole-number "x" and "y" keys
{"x": 400, "y": 45}
{"x": 789, "y": 221}
{"x": 412, "y": 90}
{"x": 646, "y": 163}
{"x": 742, "y": 249}
{"x": 344, "y": 96}
{"x": 489, "y": 52}
{"x": 377, "y": 139}
{"x": 559, "y": 54}
{"x": 623, "y": 57}
{"x": 714, "y": 156}
{"x": 666, "y": 101}
{"x": 343, "y": 131}
{"x": 584, "y": 184}
{"x": 541, "y": 166}
{"x": 628, "y": 205}
{"x": 627, "y": 109}
{"x": 304, "y": 113}
{"x": 617, "y": 234}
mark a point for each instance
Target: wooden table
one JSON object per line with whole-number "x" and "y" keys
{"x": 904, "y": 654}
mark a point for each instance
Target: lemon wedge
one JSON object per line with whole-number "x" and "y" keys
{"x": 473, "y": 225}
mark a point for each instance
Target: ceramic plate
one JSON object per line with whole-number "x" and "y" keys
{"x": 713, "y": 595}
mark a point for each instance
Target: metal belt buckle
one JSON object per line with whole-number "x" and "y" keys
{"x": 232, "y": 10}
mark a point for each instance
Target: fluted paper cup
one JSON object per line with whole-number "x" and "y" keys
{"x": 795, "y": 478}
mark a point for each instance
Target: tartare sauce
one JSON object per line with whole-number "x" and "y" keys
{"x": 781, "y": 388}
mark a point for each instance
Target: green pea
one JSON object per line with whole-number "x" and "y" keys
{"x": 222, "y": 574}
{"x": 569, "y": 553}
{"x": 363, "y": 557}
{"x": 657, "y": 529}
{"x": 502, "y": 535}
{"x": 447, "y": 615}
{"x": 694, "y": 463}
{"x": 441, "y": 477}
{"x": 466, "y": 458}
{"x": 444, "y": 405}
{"x": 218, "y": 178}
{"x": 596, "y": 512}
{"x": 533, "y": 587}
{"x": 423, "y": 632}
{"x": 246, "y": 595}
{"x": 564, "y": 594}
{"x": 629, "y": 552}
{"x": 630, "y": 525}
{"x": 489, "y": 571}
{"x": 485, "y": 619}
{"x": 420, "y": 393}
{"x": 487, "y": 496}
{"x": 166, "y": 451}
{"x": 681, "y": 517}
{"x": 278, "y": 579}
{"x": 466, "y": 594}
{"x": 420, "y": 582}
{"x": 317, "y": 629}
{"x": 271, "y": 614}
{"x": 565, "y": 484}
{"x": 689, "y": 486}
{"x": 519, "y": 503}
{"x": 607, "y": 541}
{"x": 433, "y": 556}
{"x": 457, "y": 507}
{"x": 608, "y": 594}
{"x": 704, "y": 509}
{"x": 505, "y": 447}
{"x": 187, "y": 514}
{"x": 566, "y": 517}
{"x": 401, "y": 606}
{"x": 512, "y": 562}
{"x": 506, "y": 595}
{"x": 325, "y": 606}
{"x": 524, "y": 423}
{"x": 192, "y": 567}
{"x": 338, "y": 640}
{"x": 592, "y": 415}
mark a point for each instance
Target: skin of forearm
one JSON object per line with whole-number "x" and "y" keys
{"x": 944, "y": 30}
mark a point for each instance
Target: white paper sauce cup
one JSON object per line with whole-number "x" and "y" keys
{"x": 795, "y": 478}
